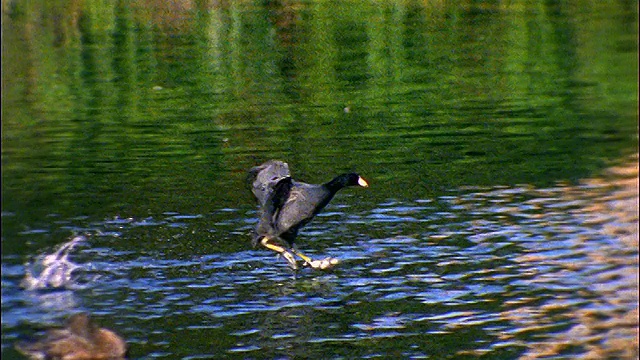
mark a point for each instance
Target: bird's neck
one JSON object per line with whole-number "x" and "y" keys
{"x": 334, "y": 185}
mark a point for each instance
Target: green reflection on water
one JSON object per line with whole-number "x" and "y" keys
{"x": 148, "y": 107}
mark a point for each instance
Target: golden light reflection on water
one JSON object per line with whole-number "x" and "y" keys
{"x": 607, "y": 328}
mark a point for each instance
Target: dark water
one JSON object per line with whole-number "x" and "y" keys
{"x": 499, "y": 140}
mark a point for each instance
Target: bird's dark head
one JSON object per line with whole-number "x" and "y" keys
{"x": 350, "y": 179}
{"x": 355, "y": 179}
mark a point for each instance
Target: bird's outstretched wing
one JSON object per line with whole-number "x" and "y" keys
{"x": 268, "y": 222}
{"x": 265, "y": 177}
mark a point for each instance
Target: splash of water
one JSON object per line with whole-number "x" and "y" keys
{"x": 52, "y": 270}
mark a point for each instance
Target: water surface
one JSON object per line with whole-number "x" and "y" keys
{"x": 500, "y": 143}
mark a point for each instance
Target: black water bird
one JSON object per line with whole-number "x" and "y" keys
{"x": 287, "y": 205}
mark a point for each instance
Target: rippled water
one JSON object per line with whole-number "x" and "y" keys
{"x": 504, "y": 272}
{"x": 498, "y": 139}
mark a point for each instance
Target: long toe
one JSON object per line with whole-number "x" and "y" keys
{"x": 324, "y": 264}
{"x": 328, "y": 263}
{"x": 293, "y": 265}
{"x": 291, "y": 260}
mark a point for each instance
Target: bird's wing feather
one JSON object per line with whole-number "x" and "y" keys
{"x": 269, "y": 212}
{"x": 301, "y": 206}
{"x": 265, "y": 177}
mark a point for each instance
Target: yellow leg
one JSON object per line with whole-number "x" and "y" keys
{"x": 302, "y": 256}
{"x": 280, "y": 250}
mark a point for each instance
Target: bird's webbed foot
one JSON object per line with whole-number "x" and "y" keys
{"x": 324, "y": 264}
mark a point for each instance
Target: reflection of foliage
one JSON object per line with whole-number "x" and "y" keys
{"x": 177, "y": 95}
